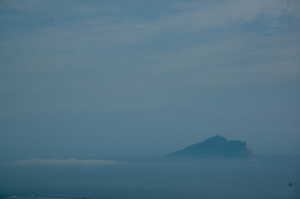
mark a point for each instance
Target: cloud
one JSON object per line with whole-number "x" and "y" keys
{"x": 113, "y": 30}
{"x": 85, "y": 34}
{"x": 66, "y": 162}
{"x": 124, "y": 60}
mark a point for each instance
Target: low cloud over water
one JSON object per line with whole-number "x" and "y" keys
{"x": 68, "y": 162}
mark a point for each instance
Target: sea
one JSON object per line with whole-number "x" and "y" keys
{"x": 274, "y": 177}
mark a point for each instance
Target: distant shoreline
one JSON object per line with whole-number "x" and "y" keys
{"x": 76, "y": 197}
{"x": 52, "y": 196}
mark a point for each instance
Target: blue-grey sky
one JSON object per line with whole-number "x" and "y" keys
{"x": 98, "y": 79}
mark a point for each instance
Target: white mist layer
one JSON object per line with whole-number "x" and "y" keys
{"x": 68, "y": 162}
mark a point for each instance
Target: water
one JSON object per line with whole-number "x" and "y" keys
{"x": 218, "y": 178}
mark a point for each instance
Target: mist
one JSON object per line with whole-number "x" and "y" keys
{"x": 99, "y": 86}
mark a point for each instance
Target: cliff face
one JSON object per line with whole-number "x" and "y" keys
{"x": 216, "y": 146}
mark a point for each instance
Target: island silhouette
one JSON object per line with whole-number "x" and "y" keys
{"x": 216, "y": 147}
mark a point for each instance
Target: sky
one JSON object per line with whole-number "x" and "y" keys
{"x": 107, "y": 79}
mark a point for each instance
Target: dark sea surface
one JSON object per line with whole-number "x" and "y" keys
{"x": 264, "y": 177}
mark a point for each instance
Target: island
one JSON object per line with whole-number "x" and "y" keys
{"x": 216, "y": 147}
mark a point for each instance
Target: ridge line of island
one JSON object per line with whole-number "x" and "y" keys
{"x": 215, "y": 147}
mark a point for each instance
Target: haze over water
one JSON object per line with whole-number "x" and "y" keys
{"x": 86, "y": 87}
{"x": 210, "y": 178}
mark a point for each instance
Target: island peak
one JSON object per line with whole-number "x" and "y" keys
{"x": 214, "y": 147}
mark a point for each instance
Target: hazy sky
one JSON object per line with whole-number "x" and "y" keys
{"x": 100, "y": 79}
